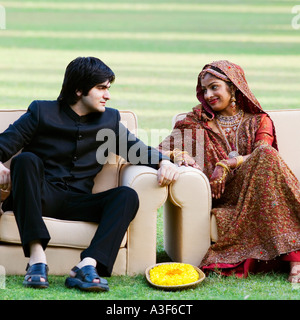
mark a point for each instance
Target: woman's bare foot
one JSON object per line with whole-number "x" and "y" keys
{"x": 294, "y": 276}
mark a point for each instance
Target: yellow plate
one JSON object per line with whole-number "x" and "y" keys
{"x": 175, "y": 287}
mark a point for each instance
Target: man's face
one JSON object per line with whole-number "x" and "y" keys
{"x": 96, "y": 98}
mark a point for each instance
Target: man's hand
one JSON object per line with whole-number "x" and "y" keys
{"x": 167, "y": 173}
{"x": 5, "y": 182}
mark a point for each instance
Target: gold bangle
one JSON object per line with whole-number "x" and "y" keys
{"x": 178, "y": 155}
{"x": 239, "y": 161}
{"x": 220, "y": 180}
{"x": 177, "y": 152}
{"x": 168, "y": 154}
{"x": 225, "y": 166}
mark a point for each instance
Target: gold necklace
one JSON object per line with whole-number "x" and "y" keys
{"x": 234, "y": 122}
{"x": 230, "y": 121}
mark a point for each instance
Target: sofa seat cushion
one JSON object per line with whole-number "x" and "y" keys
{"x": 64, "y": 233}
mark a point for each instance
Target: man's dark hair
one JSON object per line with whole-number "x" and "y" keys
{"x": 82, "y": 74}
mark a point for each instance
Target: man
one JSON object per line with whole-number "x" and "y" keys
{"x": 54, "y": 173}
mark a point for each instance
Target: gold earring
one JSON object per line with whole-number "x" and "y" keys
{"x": 233, "y": 100}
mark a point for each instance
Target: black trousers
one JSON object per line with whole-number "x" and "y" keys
{"x": 33, "y": 196}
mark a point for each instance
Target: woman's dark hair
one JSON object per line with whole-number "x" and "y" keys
{"x": 82, "y": 74}
{"x": 228, "y": 82}
{"x": 238, "y": 94}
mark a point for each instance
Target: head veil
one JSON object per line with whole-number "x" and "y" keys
{"x": 230, "y": 72}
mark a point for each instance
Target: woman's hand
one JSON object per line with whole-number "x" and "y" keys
{"x": 217, "y": 182}
{"x": 186, "y": 160}
{"x": 218, "y": 178}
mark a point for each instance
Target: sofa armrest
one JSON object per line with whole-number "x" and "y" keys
{"x": 187, "y": 217}
{"x": 141, "y": 245}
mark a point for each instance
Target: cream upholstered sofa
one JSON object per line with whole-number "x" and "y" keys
{"x": 189, "y": 227}
{"x": 69, "y": 238}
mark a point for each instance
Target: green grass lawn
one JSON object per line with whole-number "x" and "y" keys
{"x": 270, "y": 286}
{"x": 157, "y": 49}
{"x": 258, "y": 287}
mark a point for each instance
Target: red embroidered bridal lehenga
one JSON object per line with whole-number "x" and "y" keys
{"x": 258, "y": 216}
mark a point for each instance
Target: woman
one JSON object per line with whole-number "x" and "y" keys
{"x": 256, "y": 198}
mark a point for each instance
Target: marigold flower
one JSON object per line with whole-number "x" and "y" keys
{"x": 173, "y": 274}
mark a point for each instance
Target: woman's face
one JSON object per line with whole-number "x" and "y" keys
{"x": 217, "y": 94}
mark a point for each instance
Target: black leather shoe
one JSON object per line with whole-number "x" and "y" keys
{"x": 84, "y": 280}
{"x": 34, "y": 274}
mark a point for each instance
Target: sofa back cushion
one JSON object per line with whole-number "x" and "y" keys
{"x": 109, "y": 176}
{"x": 287, "y": 125}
